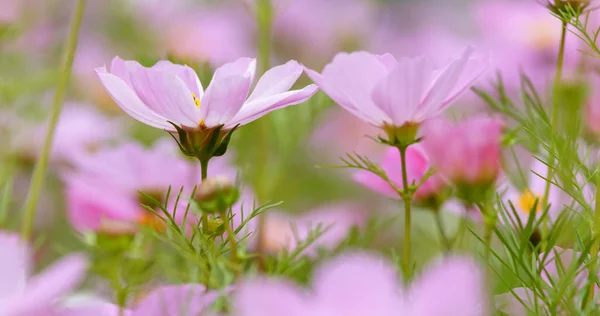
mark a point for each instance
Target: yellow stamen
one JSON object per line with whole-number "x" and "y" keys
{"x": 196, "y": 100}
{"x": 527, "y": 201}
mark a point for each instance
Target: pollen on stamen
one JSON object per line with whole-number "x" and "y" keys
{"x": 196, "y": 100}
{"x": 527, "y": 202}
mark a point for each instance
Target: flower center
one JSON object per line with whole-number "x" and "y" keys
{"x": 527, "y": 201}
{"x": 197, "y": 102}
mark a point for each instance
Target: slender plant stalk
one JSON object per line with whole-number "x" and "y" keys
{"x": 594, "y": 250}
{"x": 440, "y": 226}
{"x": 264, "y": 21}
{"x": 204, "y": 173}
{"x": 407, "y": 198}
{"x": 232, "y": 245}
{"x": 554, "y": 123}
{"x": 39, "y": 171}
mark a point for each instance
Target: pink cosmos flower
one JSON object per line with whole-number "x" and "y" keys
{"x": 73, "y": 134}
{"x": 284, "y": 231}
{"x": 389, "y": 93}
{"x": 417, "y": 164}
{"x": 24, "y": 295}
{"x": 173, "y": 93}
{"x": 103, "y": 190}
{"x": 523, "y": 36}
{"x": 188, "y": 299}
{"x": 467, "y": 152}
{"x": 525, "y": 199}
{"x": 361, "y": 284}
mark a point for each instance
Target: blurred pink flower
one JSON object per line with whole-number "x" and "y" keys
{"x": 361, "y": 284}
{"x": 523, "y": 36}
{"x": 341, "y": 133}
{"x": 211, "y": 35}
{"x": 390, "y": 93}
{"x": 23, "y": 295}
{"x": 417, "y": 164}
{"x": 173, "y": 93}
{"x": 11, "y": 11}
{"x": 525, "y": 199}
{"x": 466, "y": 153}
{"x": 188, "y": 299}
{"x": 102, "y": 191}
{"x": 73, "y": 134}
{"x": 284, "y": 231}
{"x": 315, "y": 30}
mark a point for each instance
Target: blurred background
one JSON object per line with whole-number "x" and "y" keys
{"x": 277, "y": 157}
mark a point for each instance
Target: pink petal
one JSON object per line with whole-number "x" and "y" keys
{"x": 14, "y": 265}
{"x": 93, "y": 309}
{"x": 453, "y": 80}
{"x": 185, "y": 73}
{"x": 388, "y": 60}
{"x": 190, "y": 299}
{"x": 127, "y": 100}
{"x": 355, "y": 76}
{"x": 357, "y": 284}
{"x": 375, "y": 183}
{"x": 251, "y": 111}
{"x": 45, "y": 288}
{"x": 264, "y": 297}
{"x": 455, "y": 285}
{"x": 510, "y": 305}
{"x": 277, "y": 80}
{"x": 227, "y": 91}
{"x": 399, "y": 94}
{"x": 166, "y": 94}
{"x": 335, "y": 94}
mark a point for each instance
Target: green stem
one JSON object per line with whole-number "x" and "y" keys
{"x": 39, "y": 172}
{"x": 204, "y": 173}
{"x": 553, "y": 122}
{"x": 594, "y": 250}
{"x": 232, "y": 244}
{"x": 489, "y": 217}
{"x": 440, "y": 226}
{"x": 264, "y": 22}
{"x": 407, "y": 198}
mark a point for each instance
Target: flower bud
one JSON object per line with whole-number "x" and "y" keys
{"x": 216, "y": 194}
{"x": 467, "y": 154}
{"x": 214, "y": 226}
{"x": 558, "y": 6}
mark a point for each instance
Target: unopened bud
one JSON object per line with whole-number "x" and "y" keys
{"x": 558, "y": 6}
{"x": 214, "y": 226}
{"x": 216, "y": 194}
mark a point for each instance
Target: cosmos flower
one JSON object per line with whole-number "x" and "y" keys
{"x": 397, "y": 95}
{"x": 465, "y": 153}
{"x": 187, "y": 299}
{"x": 362, "y": 284}
{"x": 417, "y": 165}
{"x": 103, "y": 190}
{"x": 24, "y": 295}
{"x": 167, "y": 92}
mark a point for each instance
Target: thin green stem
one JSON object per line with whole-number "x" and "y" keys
{"x": 204, "y": 173}
{"x": 489, "y": 218}
{"x": 407, "y": 198}
{"x": 594, "y": 250}
{"x": 440, "y": 226}
{"x": 264, "y": 22}
{"x": 232, "y": 244}
{"x": 554, "y": 123}
{"x": 39, "y": 172}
